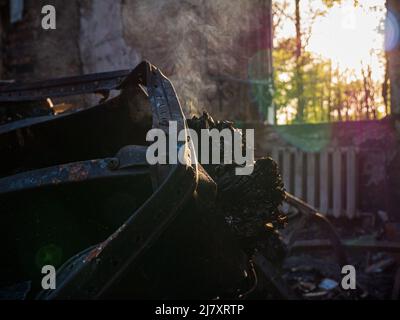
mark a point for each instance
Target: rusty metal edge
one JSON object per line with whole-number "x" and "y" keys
{"x": 91, "y": 274}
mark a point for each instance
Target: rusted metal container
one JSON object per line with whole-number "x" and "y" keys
{"x": 76, "y": 192}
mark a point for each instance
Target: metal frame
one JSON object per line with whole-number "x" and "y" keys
{"x": 93, "y": 272}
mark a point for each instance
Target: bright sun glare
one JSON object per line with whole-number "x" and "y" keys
{"x": 347, "y": 35}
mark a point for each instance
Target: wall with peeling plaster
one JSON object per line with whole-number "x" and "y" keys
{"x": 192, "y": 41}
{"x": 101, "y": 42}
{"x": 189, "y": 40}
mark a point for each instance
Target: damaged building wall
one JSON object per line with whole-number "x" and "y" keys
{"x": 101, "y": 41}
{"x": 191, "y": 41}
{"x": 31, "y": 52}
{"x": 196, "y": 43}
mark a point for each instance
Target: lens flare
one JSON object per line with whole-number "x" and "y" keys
{"x": 261, "y": 87}
{"x": 49, "y": 255}
{"x": 307, "y": 138}
{"x": 392, "y": 32}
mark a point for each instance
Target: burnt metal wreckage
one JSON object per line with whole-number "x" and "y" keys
{"x": 77, "y": 192}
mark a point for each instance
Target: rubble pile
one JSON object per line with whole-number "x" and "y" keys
{"x": 249, "y": 203}
{"x": 314, "y": 273}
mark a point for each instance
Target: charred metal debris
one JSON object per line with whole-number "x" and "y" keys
{"x": 77, "y": 192}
